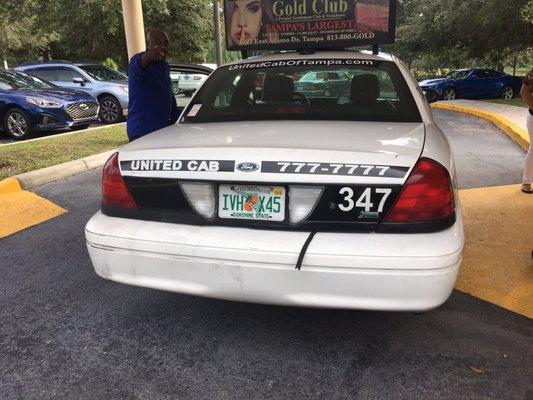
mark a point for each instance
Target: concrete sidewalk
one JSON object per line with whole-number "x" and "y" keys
{"x": 511, "y": 119}
{"x": 517, "y": 115}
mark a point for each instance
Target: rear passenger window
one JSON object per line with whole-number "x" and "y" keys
{"x": 44, "y": 73}
{"x": 67, "y": 75}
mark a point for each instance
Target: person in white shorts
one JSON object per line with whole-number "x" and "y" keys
{"x": 527, "y": 95}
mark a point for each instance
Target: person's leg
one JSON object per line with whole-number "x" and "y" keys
{"x": 528, "y": 169}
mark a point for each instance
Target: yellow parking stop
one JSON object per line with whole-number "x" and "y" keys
{"x": 20, "y": 209}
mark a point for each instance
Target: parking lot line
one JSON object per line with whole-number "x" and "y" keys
{"x": 497, "y": 260}
{"x": 20, "y": 209}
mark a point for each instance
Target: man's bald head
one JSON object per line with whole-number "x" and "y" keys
{"x": 158, "y": 42}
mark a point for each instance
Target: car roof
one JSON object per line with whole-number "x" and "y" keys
{"x": 362, "y": 55}
{"x": 190, "y": 68}
{"x": 12, "y": 71}
{"x": 54, "y": 63}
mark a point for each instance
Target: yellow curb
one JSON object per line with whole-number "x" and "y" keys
{"x": 9, "y": 185}
{"x": 497, "y": 264}
{"x": 515, "y": 132}
{"x": 20, "y": 209}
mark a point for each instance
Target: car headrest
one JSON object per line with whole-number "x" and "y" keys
{"x": 278, "y": 88}
{"x": 364, "y": 89}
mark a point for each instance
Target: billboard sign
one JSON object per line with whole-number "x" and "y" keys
{"x": 308, "y": 24}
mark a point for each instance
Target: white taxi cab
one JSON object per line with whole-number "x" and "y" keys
{"x": 261, "y": 193}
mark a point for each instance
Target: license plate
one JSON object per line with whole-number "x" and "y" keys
{"x": 256, "y": 203}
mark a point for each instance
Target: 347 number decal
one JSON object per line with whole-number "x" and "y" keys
{"x": 366, "y": 200}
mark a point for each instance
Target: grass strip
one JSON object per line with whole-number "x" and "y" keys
{"x": 517, "y": 101}
{"x": 29, "y": 156}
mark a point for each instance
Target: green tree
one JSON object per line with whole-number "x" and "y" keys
{"x": 94, "y": 29}
{"x": 20, "y": 35}
{"x": 458, "y": 33}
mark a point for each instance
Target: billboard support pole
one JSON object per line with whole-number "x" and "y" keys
{"x": 218, "y": 40}
{"x": 133, "y": 26}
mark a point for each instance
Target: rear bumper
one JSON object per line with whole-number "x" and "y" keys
{"x": 340, "y": 270}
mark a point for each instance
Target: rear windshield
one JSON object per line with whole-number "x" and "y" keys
{"x": 314, "y": 89}
{"x": 19, "y": 80}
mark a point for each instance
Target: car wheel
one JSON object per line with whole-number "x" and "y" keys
{"x": 188, "y": 93}
{"x": 507, "y": 93}
{"x": 175, "y": 88}
{"x": 17, "y": 124}
{"x": 80, "y": 127}
{"x": 449, "y": 94}
{"x": 110, "y": 110}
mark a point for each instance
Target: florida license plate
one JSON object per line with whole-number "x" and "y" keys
{"x": 256, "y": 203}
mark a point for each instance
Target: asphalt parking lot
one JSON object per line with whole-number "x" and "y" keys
{"x": 68, "y": 334}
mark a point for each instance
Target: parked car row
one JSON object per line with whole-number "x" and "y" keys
{"x": 108, "y": 86}
{"x": 29, "y": 104}
{"x": 52, "y": 95}
{"x": 47, "y": 96}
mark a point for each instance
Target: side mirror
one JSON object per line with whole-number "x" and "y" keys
{"x": 431, "y": 96}
{"x": 81, "y": 81}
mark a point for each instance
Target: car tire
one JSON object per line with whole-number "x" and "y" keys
{"x": 188, "y": 93}
{"x": 17, "y": 124}
{"x": 507, "y": 93}
{"x": 110, "y": 110}
{"x": 449, "y": 94}
{"x": 175, "y": 88}
{"x": 80, "y": 127}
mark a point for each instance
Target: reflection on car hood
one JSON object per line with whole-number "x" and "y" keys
{"x": 55, "y": 94}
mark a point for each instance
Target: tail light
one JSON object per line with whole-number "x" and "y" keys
{"x": 426, "y": 196}
{"x": 114, "y": 190}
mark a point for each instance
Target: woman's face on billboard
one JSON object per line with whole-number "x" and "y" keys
{"x": 245, "y": 20}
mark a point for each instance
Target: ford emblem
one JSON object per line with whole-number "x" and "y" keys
{"x": 247, "y": 167}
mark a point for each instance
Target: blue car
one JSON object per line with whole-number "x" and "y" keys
{"x": 29, "y": 104}
{"x": 473, "y": 83}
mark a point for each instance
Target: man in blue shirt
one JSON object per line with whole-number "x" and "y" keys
{"x": 152, "y": 104}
